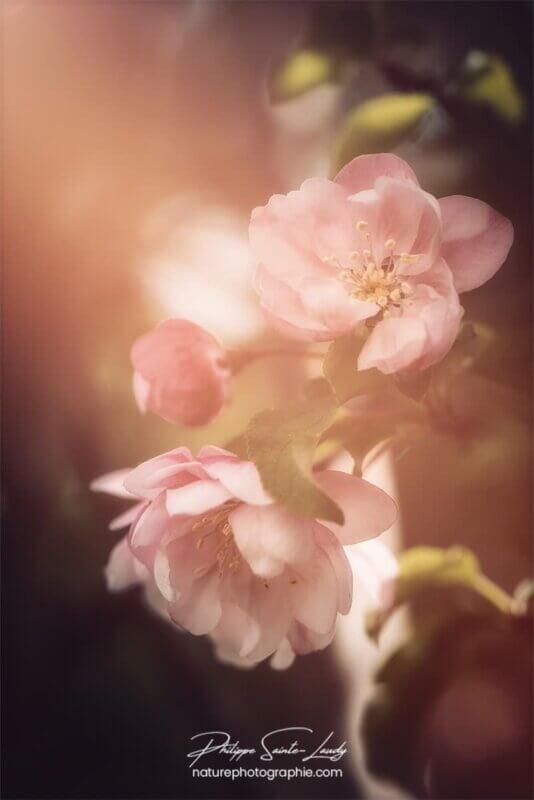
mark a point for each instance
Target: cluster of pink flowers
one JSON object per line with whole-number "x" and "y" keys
{"x": 216, "y": 553}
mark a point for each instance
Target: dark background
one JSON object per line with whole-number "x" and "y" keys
{"x": 136, "y": 101}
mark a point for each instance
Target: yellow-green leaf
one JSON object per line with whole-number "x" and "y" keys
{"x": 455, "y": 565}
{"x": 340, "y": 368}
{"x": 282, "y": 444}
{"x": 301, "y": 71}
{"x": 379, "y": 125}
{"x": 424, "y": 567}
{"x": 493, "y": 84}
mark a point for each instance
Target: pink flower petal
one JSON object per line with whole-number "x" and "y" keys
{"x": 121, "y": 571}
{"x": 176, "y": 467}
{"x": 292, "y": 234}
{"x": 340, "y": 564}
{"x": 435, "y": 302}
{"x": 283, "y": 657}
{"x": 200, "y": 613}
{"x": 269, "y": 605}
{"x": 286, "y": 305}
{"x": 153, "y": 527}
{"x": 162, "y": 575}
{"x": 367, "y": 509}
{"x": 331, "y": 304}
{"x": 127, "y": 517}
{"x": 411, "y": 218}
{"x": 180, "y": 373}
{"x": 376, "y": 568}
{"x": 269, "y": 537}
{"x": 293, "y": 331}
{"x": 303, "y": 640}
{"x": 476, "y": 240}
{"x": 196, "y": 497}
{"x": 236, "y": 633}
{"x": 363, "y": 172}
{"x": 240, "y": 478}
{"x": 320, "y": 310}
{"x": 395, "y": 343}
{"x": 113, "y": 483}
{"x": 188, "y": 562}
{"x": 315, "y": 594}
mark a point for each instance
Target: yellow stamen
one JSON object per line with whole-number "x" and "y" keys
{"x": 216, "y": 524}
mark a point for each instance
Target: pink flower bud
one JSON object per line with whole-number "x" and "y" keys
{"x": 180, "y": 373}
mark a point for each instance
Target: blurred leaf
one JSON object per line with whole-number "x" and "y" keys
{"x": 455, "y": 565}
{"x": 457, "y": 641}
{"x": 325, "y": 451}
{"x": 340, "y": 368}
{"x": 490, "y": 81}
{"x": 502, "y": 356}
{"x": 460, "y": 397}
{"x": 379, "y": 125}
{"x": 282, "y": 444}
{"x": 359, "y": 435}
{"x": 423, "y": 567}
{"x": 238, "y": 446}
{"x": 301, "y": 71}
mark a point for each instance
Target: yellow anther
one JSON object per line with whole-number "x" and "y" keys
{"x": 390, "y": 244}
{"x": 346, "y": 275}
{"x": 361, "y": 225}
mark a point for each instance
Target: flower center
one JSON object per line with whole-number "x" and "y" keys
{"x": 216, "y": 524}
{"x": 372, "y": 282}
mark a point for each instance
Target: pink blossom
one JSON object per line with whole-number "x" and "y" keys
{"x": 180, "y": 373}
{"x": 373, "y": 247}
{"x": 218, "y": 556}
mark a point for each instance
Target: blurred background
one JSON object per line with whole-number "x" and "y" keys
{"x": 137, "y": 137}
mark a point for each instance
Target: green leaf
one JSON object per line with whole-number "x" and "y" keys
{"x": 383, "y": 420}
{"x": 359, "y": 435}
{"x": 340, "y": 368}
{"x": 301, "y": 71}
{"x": 436, "y": 565}
{"x": 282, "y": 444}
{"x": 378, "y": 125}
{"x": 421, "y": 568}
{"x": 238, "y": 446}
{"x": 490, "y": 81}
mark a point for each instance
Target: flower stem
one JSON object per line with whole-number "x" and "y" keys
{"x": 238, "y": 359}
{"x": 493, "y": 593}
